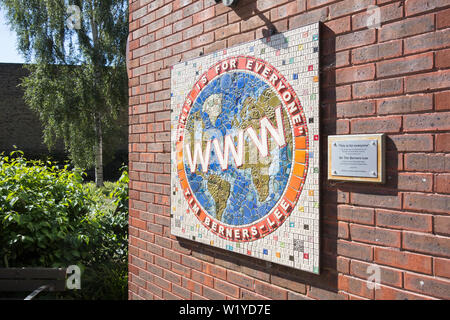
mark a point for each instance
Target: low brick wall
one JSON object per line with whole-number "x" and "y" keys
{"x": 392, "y": 80}
{"x": 19, "y": 126}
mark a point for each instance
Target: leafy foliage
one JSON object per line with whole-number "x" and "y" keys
{"x": 78, "y": 80}
{"x": 49, "y": 218}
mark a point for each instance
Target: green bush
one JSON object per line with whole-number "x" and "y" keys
{"x": 50, "y": 218}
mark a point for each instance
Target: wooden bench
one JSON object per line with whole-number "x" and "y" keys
{"x": 32, "y": 279}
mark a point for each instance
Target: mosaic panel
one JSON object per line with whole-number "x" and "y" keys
{"x": 245, "y": 149}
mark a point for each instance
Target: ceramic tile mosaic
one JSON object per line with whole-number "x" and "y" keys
{"x": 245, "y": 149}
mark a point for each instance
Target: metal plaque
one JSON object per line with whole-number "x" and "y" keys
{"x": 356, "y": 158}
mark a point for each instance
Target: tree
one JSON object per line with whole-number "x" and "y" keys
{"x": 78, "y": 78}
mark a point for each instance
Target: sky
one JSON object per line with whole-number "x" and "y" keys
{"x": 8, "y": 52}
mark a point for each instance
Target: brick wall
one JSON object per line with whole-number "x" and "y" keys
{"x": 395, "y": 79}
{"x": 19, "y": 125}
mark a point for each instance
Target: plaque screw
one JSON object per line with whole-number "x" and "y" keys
{"x": 334, "y": 172}
{"x": 373, "y": 143}
{"x": 335, "y": 144}
{"x": 373, "y": 173}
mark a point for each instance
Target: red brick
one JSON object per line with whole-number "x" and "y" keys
{"x": 372, "y": 199}
{"x": 443, "y": 59}
{"x": 343, "y": 230}
{"x": 203, "y": 39}
{"x": 215, "y": 46}
{"x": 427, "y": 202}
{"x": 317, "y": 3}
{"x": 348, "y": 6}
{"x": 403, "y": 260}
{"x": 442, "y": 184}
{"x": 336, "y": 94}
{"x": 443, "y": 19}
{"x": 163, "y": 11}
{"x": 428, "y": 81}
{"x": 162, "y": 283}
{"x": 377, "y": 88}
{"x": 404, "y": 220}
{"x": 154, "y": 289}
{"x": 405, "y": 104}
{"x": 319, "y": 293}
{"x": 203, "y": 278}
{"x": 412, "y": 142}
{"x": 240, "y": 279}
{"x": 427, "y": 285}
{"x": 377, "y": 236}
{"x": 343, "y": 265}
{"x": 355, "y": 108}
{"x": 270, "y": 291}
{"x": 172, "y": 39}
{"x": 388, "y": 276}
{"x": 203, "y": 15}
{"x": 192, "y": 286}
{"x": 388, "y": 124}
{"x": 355, "y": 286}
{"x": 289, "y": 282}
{"x": 426, "y": 243}
{"x": 215, "y": 23}
{"x": 296, "y": 296}
{"x": 411, "y": 64}
{"x": 182, "y": 270}
{"x": 355, "y": 250}
{"x": 255, "y": 273}
{"x": 254, "y": 22}
{"x": 355, "y": 74}
{"x": 195, "y": 7}
{"x": 388, "y": 293}
{"x": 427, "y": 41}
{"x": 263, "y": 5}
{"x": 441, "y": 225}
{"x": 442, "y": 100}
{"x": 427, "y": 122}
{"x": 215, "y": 271}
{"x": 406, "y": 28}
{"x": 213, "y": 294}
{"x": 181, "y": 292}
{"x": 228, "y": 31}
{"x": 308, "y": 18}
{"x": 356, "y": 214}
{"x": 415, "y": 182}
{"x": 387, "y": 13}
{"x": 227, "y": 288}
{"x": 414, "y": 7}
{"x": 338, "y": 60}
{"x": 287, "y": 10}
{"x": 355, "y": 39}
{"x": 340, "y": 25}
{"x": 164, "y": 32}
{"x": 170, "y": 296}
{"x": 249, "y": 295}
{"x": 241, "y": 38}
{"x": 377, "y": 52}
{"x": 427, "y": 162}
{"x": 442, "y": 267}
{"x": 177, "y": 4}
